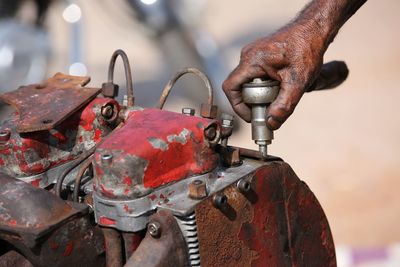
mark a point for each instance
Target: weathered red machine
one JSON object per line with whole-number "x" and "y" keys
{"x": 88, "y": 181}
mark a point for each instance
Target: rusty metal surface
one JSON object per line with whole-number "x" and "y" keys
{"x": 153, "y": 148}
{"x": 14, "y": 259}
{"x": 45, "y": 229}
{"x": 113, "y": 246}
{"x": 278, "y": 222}
{"x": 30, "y": 155}
{"x": 44, "y": 106}
{"x": 167, "y": 250}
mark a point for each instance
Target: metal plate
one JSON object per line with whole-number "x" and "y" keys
{"x": 43, "y": 106}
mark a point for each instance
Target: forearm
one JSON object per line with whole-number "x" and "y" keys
{"x": 324, "y": 18}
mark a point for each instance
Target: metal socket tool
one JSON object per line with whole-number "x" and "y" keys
{"x": 259, "y": 94}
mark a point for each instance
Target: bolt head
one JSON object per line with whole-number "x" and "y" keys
{"x": 154, "y": 229}
{"x": 106, "y": 158}
{"x": 197, "y": 189}
{"x": 188, "y": 111}
{"x": 244, "y": 186}
{"x": 107, "y": 111}
{"x": 220, "y": 201}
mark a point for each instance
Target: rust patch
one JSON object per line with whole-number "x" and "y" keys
{"x": 43, "y": 106}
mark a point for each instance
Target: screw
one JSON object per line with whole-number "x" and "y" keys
{"x": 107, "y": 111}
{"x": 197, "y": 189}
{"x": 244, "y": 186}
{"x": 106, "y": 158}
{"x": 5, "y": 136}
{"x": 227, "y": 120}
{"x": 220, "y": 201}
{"x": 154, "y": 229}
{"x": 188, "y": 111}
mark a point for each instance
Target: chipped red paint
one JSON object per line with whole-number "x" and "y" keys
{"x": 106, "y": 221}
{"x": 68, "y": 249}
{"x": 36, "y": 182}
{"x": 34, "y": 153}
{"x": 12, "y": 222}
{"x": 153, "y": 148}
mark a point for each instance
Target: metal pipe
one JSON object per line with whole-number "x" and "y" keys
{"x": 131, "y": 243}
{"x": 86, "y": 164}
{"x": 128, "y": 74}
{"x": 112, "y": 240}
{"x": 167, "y": 89}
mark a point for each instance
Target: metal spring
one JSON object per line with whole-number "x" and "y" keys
{"x": 189, "y": 230}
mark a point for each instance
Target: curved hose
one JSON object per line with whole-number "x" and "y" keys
{"x": 167, "y": 89}
{"x": 128, "y": 74}
{"x": 86, "y": 164}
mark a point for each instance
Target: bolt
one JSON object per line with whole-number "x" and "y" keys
{"x": 106, "y": 158}
{"x": 244, "y": 186}
{"x": 220, "y": 201}
{"x": 188, "y": 111}
{"x": 197, "y": 189}
{"x": 227, "y": 120}
{"x": 5, "y": 136}
{"x": 210, "y": 133}
{"x": 107, "y": 111}
{"x": 154, "y": 229}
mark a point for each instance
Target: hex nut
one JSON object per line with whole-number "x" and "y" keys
{"x": 209, "y": 111}
{"x": 109, "y": 89}
{"x": 197, "y": 189}
{"x": 154, "y": 229}
{"x": 188, "y": 111}
{"x": 106, "y": 158}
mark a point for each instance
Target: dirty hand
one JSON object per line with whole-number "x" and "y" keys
{"x": 292, "y": 56}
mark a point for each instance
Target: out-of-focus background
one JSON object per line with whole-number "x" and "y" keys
{"x": 344, "y": 143}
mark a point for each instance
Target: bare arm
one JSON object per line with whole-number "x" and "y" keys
{"x": 293, "y": 55}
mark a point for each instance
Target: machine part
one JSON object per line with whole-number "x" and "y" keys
{"x": 4, "y": 136}
{"x": 144, "y": 153}
{"x": 243, "y": 186}
{"x": 132, "y": 215}
{"x": 43, "y": 228}
{"x": 212, "y": 133}
{"x": 82, "y": 169}
{"x": 259, "y": 94}
{"x": 53, "y": 101}
{"x": 132, "y": 242}
{"x": 230, "y": 156}
{"x": 128, "y": 77}
{"x": 226, "y": 128}
{"x": 106, "y": 159}
{"x": 109, "y": 112}
{"x": 208, "y": 111}
{"x": 154, "y": 229}
{"x": 169, "y": 250}
{"x": 220, "y": 201}
{"x": 110, "y": 89}
{"x": 197, "y": 189}
{"x": 113, "y": 245}
{"x": 33, "y": 156}
{"x": 188, "y": 111}
{"x": 189, "y": 230}
{"x": 60, "y": 179}
{"x": 167, "y": 89}
{"x": 278, "y": 223}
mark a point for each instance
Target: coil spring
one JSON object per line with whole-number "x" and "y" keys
{"x": 189, "y": 230}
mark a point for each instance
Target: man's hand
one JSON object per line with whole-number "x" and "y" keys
{"x": 293, "y": 56}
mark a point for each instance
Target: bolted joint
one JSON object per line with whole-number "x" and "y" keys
{"x": 5, "y": 135}
{"x": 212, "y": 133}
{"x": 197, "y": 189}
{"x": 220, "y": 201}
{"x": 226, "y": 120}
{"x": 107, "y": 111}
{"x": 109, "y": 89}
{"x": 188, "y": 111}
{"x": 154, "y": 229}
{"x": 208, "y": 111}
{"x": 243, "y": 186}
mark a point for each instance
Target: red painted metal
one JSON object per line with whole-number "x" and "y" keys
{"x": 153, "y": 148}
{"x": 28, "y": 154}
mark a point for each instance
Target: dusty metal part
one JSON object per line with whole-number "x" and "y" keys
{"x": 32, "y": 156}
{"x": 109, "y": 89}
{"x": 197, "y": 189}
{"x": 278, "y": 222}
{"x": 132, "y": 215}
{"x": 244, "y": 186}
{"x": 220, "y": 201}
{"x": 167, "y": 89}
{"x": 113, "y": 246}
{"x": 44, "y": 228}
{"x": 168, "y": 250}
{"x": 13, "y": 258}
{"x": 259, "y": 94}
{"x": 188, "y": 111}
{"x": 208, "y": 111}
{"x": 230, "y": 156}
{"x": 132, "y": 242}
{"x": 77, "y": 184}
{"x": 145, "y": 153}
{"x": 226, "y": 128}
{"x": 253, "y": 154}
{"x": 44, "y": 106}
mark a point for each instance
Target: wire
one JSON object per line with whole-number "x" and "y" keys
{"x": 167, "y": 89}
{"x": 128, "y": 74}
{"x": 78, "y": 161}
{"x": 85, "y": 165}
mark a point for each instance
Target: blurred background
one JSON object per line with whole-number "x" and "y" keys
{"x": 343, "y": 143}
